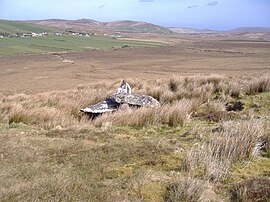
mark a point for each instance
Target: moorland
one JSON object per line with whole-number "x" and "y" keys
{"x": 209, "y": 140}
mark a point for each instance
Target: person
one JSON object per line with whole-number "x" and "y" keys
{"x": 124, "y": 88}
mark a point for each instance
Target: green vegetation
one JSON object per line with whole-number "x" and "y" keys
{"x": 52, "y": 43}
{"x": 37, "y": 45}
{"x": 192, "y": 148}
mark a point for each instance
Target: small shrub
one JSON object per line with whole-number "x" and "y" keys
{"x": 125, "y": 46}
{"x": 235, "y": 106}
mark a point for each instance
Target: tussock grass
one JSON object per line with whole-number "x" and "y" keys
{"x": 170, "y": 114}
{"x": 234, "y": 90}
{"x": 259, "y": 85}
{"x": 52, "y": 108}
{"x": 257, "y": 189}
{"x": 190, "y": 189}
{"x": 51, "y": 151}
{"x": 156, "y": 92}
{"x": 235, "y": 141}
{"x": 173, "y": 85}
{"x": 179, "y": 97}
{"x": 215, "y": 106}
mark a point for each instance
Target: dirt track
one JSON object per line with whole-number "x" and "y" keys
{"x": 38, "y": 73}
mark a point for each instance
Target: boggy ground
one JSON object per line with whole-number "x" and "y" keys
{"x": 58, "y": 71}
{"x": 209, "y": 141}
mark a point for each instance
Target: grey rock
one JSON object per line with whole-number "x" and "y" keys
{"x": 135, "y": 100}
{"x": 122, "y": 96}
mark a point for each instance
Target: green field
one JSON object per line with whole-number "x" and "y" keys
{"x": 16, "y": 46}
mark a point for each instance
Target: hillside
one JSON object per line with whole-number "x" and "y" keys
{"x": 90, "y": 25}
{"x": 23, "y": 27}
{"x": 185, "y": 30}
{"x": 251, "y": 29}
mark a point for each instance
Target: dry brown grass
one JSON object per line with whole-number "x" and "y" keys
{"x": 52, "y": 108}
{"x": 257, "y": 189}
{"x": 170, "y": 114}
{"x": 62, "y": 107}
{"x": 179, "y": 97}
{"x": 232, "y": 89}
{"x": 190, "y": 189}
{"x": 258, "y": 85}
{"x": 51, "y": 151}
{"x": 235, "y": 141}
{"x": 36, "y": 168}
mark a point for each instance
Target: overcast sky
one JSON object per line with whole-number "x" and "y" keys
{"x": 218, "y": 15}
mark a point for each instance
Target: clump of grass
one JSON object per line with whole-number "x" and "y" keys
{"x": 168, "y": 97}
{"x": 145, "y": 185}
{"x": 156, "y": 92}
{"x": 214, "y": 111}
{"x": 257, "y": 189}
{"x": 173, "y": 85}
{"x": 178, "y": 112}
{"x": 17, "y": 114}
{"x": 259, "y": 85}
{"x": 19, "y": 117}
{"x": 215, "y": 156}
{"x": 215, "y": 106}
{"x": 190, "y": 189}
{"x": 234, "y": 90}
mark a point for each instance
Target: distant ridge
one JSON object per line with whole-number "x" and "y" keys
{"x": 125, "y": 26}
{"x": 24, "y": 27}
{"x": 251, "y": 29}
{"x": 185, "y": 30}
{"x": 90, "y": 25}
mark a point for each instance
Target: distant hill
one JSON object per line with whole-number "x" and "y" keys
{"x": 90, "y": 25}
{"x": 184, "y": 30}
{"x": 251, "y": 29}
{"x": 23, "y": 27}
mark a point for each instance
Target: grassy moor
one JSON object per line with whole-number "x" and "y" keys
{"x": 208, "y": 141}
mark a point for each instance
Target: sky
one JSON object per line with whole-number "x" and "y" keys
{"x": 200, "y": 14}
